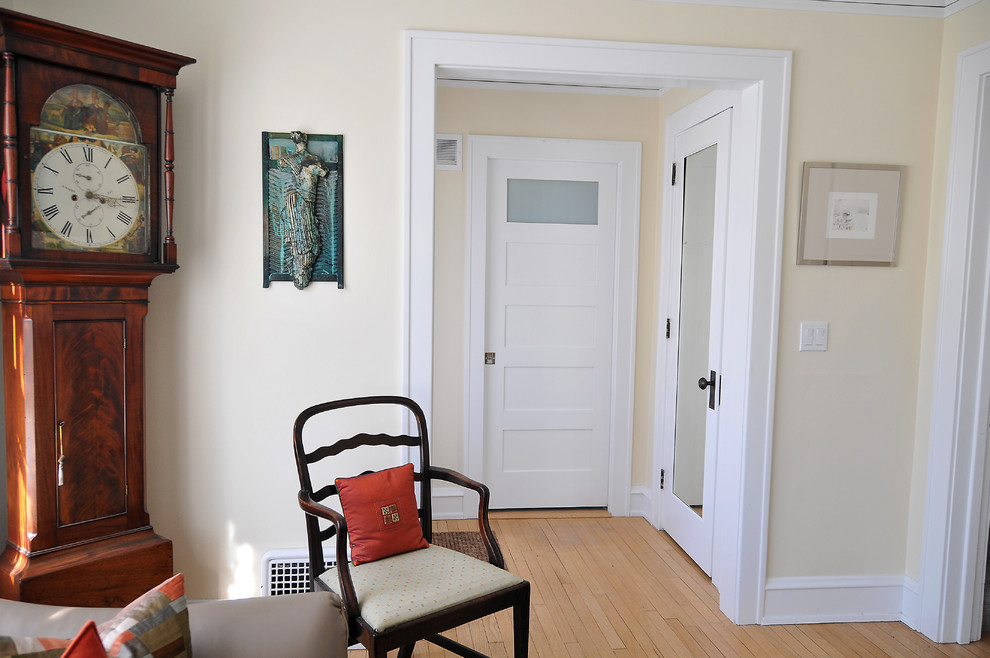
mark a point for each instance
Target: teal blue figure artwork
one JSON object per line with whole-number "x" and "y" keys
{"x": 303, "y": 208}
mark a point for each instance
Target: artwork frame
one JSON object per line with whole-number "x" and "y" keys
{"x": 286, "y": 159}
{"x": 849, "y": 214}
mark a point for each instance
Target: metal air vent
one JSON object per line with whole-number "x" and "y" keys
{"x": 449, "y": 152}
{"x": 287, "y": 571}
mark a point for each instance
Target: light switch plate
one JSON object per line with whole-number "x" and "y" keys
{"x": 814, "y": 337}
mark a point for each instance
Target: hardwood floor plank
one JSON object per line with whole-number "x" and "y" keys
{"x": 604, "y": 586}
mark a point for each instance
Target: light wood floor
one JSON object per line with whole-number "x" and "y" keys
{"x": 618, "y": 587}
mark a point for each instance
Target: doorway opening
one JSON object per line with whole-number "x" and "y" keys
{"x": 762, "y": 79}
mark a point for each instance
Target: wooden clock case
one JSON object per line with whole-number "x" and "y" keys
{"x": 73, "y": 338}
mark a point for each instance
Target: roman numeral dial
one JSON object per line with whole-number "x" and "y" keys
{"x": 85, "y": 196}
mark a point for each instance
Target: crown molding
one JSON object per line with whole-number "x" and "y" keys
{"x": 911, "y": 8}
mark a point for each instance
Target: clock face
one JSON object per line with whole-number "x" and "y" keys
{"x": 89, "y": 175}
{"x": 86, "y": 195}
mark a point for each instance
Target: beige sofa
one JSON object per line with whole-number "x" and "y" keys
{"x": 297, "y": 625}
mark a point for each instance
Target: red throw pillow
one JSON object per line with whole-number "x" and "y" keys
{"x": 381, "y": 514}
{"x": 86, "y": 644}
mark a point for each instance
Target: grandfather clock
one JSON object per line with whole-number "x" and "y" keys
{"x": 86, "y": 226}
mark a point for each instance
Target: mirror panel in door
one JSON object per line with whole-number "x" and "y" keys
{"x": 698, "y": 228}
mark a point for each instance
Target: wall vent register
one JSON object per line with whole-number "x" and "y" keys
{"x": 287, "y": 571}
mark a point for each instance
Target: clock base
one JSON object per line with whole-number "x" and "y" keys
{"x": 107, "y": 573}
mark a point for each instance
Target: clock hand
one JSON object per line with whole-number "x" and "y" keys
{"x": 113, "y": 201}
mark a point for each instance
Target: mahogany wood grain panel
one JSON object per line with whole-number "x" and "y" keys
{"x": 68, "y": 362}
{"x": 111, "y": 572}
{"x": 89, "y": 419}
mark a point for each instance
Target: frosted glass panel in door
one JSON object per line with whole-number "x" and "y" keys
{"x": 695, "y": 326}
{"x": 552, "y": 201}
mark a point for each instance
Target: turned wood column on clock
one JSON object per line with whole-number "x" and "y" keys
{"x": 88, "y": 178}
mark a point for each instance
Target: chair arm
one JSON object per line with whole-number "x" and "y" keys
{"x": 484, "y": 496}
{"x": 347, "y": 592}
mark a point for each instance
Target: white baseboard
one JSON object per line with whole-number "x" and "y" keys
{"x": 827, "y": 600}
{"x": 454, "y": 503}
{"x": 641, "y": 502}
{"x": 911, "y": 605}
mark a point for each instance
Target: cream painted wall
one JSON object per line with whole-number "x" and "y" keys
{"x": 230, "y": 363}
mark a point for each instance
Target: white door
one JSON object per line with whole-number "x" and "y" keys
{"x": 549, "y": 289}
{"x": 699, "y": 215}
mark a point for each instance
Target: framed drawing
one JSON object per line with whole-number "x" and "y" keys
{"x": 849, "y": 214}
{"x": 302, "y": 182}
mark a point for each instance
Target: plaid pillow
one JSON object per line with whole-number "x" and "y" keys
{"x": 155, "y": 624}
{"x": 32, "y": 647}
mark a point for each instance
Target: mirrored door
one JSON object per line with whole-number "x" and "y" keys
{"x": 700, "y": 213}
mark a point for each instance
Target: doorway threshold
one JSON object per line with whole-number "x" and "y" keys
{"x": 552, "y": 513}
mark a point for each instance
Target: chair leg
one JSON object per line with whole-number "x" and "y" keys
{"x": 520, "y": 625}
{"x": 407, "y": 651}
{"x": 376, "y": 650}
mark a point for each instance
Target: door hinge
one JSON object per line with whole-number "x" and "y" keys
{"x": 668, "y": 327}
{"x": 662, "y": 476}
{"x": 125, "y": 342}
{"x": 673, "y": 174}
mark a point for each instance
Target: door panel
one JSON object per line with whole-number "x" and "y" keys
{"x": 549, "y": 306}
{"x": 89, "y": 414}
{"x": 700, "y": 211}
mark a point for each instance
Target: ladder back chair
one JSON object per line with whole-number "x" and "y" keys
{"x": 393, "y": 602}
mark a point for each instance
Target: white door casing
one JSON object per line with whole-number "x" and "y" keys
{"x": 957, "y": 505}
{"x": 762, "y": 79}
{"x": 546, "y": 433}
{"x": 695, "y": 317}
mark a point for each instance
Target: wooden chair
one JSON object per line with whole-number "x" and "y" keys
{"x": 382, "y": 626}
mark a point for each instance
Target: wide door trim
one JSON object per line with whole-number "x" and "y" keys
{"x": 627, "y": 155}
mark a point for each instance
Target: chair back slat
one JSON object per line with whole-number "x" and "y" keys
{"x": 359, "y": 440}
{"x": 324, "y": 493}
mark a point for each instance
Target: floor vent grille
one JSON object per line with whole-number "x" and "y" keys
{"x": 287, "y": 572}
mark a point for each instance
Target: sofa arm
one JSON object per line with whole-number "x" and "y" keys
{"x": 297, "y": 625}
{"x": 36, "y": 620}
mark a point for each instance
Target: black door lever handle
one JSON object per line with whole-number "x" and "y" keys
{"x": 710, "y": 385}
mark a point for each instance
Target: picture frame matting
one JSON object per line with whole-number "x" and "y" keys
{"x": 849, "y": 214}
